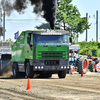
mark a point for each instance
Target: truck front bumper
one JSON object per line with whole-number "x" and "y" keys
{"x": 41, "y": 66}
{"x": 49, "y": 68}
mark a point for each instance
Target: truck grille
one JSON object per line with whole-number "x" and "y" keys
{"x": 51, "y": 62}
{"x": 51, "y": 55}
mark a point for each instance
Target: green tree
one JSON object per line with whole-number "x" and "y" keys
{"x": 69, "y": 18}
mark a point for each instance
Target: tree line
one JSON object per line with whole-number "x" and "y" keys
{"x": 68, "y": 18}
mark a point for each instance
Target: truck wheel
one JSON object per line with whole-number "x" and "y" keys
{"x": 67, "y": 72}
{"x": 92, "y": 66}
{"x": 62, "y": 74}
{"x": 22, "y": 74}
{"x": 96, "y": 62}
{"x": 29, "y": 70}
{"x": 15, "y": 70}
{"x": 49, "y": 75}
{"x": 82, "y": 65}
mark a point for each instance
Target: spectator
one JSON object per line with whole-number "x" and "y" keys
{"x": 89, "y": 56}
{"x": 74, "y": 54}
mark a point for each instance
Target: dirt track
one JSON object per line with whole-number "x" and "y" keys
{"x": 73, "y": 87}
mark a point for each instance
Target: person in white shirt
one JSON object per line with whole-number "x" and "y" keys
{"x": 74, "y": 56}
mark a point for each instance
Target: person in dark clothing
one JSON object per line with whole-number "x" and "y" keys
{"x": 89, "y": 56}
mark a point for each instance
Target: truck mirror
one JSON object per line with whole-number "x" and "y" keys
{"x": 70, "y": 39}
{"x": 28, "y": 40}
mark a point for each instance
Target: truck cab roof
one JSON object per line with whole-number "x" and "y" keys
{"x": 49, "y": 32}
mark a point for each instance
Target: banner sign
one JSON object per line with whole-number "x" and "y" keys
{"x": 16, "y": 35}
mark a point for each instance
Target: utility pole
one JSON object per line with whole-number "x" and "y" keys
{"x": 77, "y": 38}
{"x": 0, "y": 17}
{"x": 4, "y": 26}
{"x": 1, "y": 28}
{"x": 0, "y": 23}
{"x": 97, "y": 26}
{"x": 86, "y": 29}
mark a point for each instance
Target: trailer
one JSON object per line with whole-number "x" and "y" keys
{"x": 41, "y": 52}
{"x": 5, "y": 56}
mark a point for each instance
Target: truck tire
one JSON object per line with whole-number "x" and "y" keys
{"x": 82, "y": 65}
{"x": 92, "y": 66}
{"x": 96, "y": 62}
{"x": 15, "y": 70}
{"x": 62, "y": 74}
{"x": 67, "y": 72}
{"x": 49, "y": 75}
{"x": 22, "y": 74}
{"x": 29, "y": 70}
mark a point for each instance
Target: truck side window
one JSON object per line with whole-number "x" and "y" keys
{"x": 30, "y": 44}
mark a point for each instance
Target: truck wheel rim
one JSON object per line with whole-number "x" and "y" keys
{"x": 84, "y": 65}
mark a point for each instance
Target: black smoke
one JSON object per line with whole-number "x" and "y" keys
{"x": 48, "y": 7}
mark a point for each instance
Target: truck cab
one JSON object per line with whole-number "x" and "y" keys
{"x": 41, "y": 52}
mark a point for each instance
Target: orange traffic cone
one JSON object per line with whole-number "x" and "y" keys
{"x": 28, "y": 85}
{"x": 82, "y": 74}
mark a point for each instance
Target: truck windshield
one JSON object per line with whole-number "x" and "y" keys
{"x": 50, "y": 39}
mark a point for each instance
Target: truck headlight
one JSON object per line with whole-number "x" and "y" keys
{"x": 68, "y": 67}
{"x": 35, "y": 67}
{"x": 64, "y": 67}
{"x": 41, "y": 67}
{"x": 61, "y": 67}
{"x": 38, "y": 67}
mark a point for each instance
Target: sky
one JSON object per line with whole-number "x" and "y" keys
{"x": 90, "y": 7}
{"x": 27, "y": 21}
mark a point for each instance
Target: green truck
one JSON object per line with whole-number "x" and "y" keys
{"x": 41, "y": 52}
